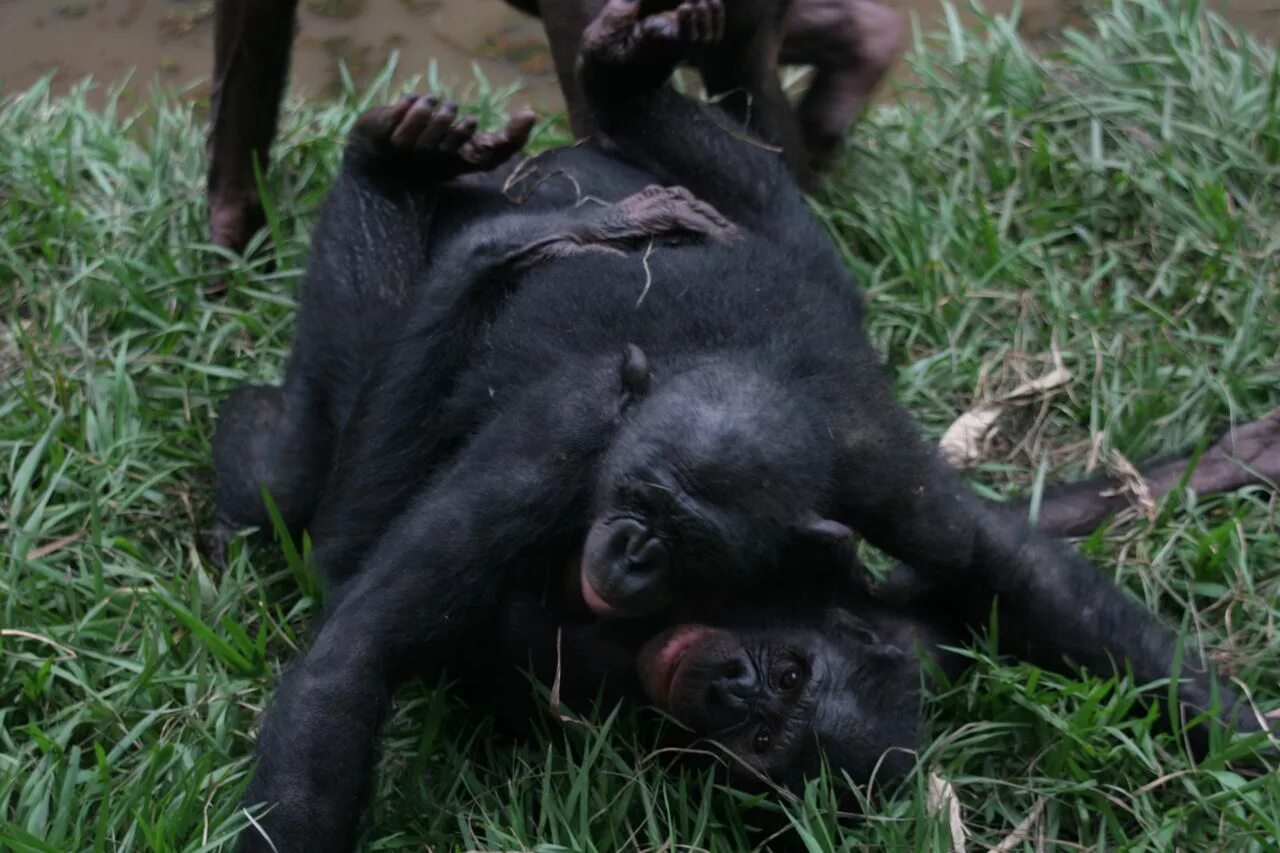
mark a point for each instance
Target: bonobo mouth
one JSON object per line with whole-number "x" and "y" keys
{"x": 591, "y": 598}
{"x": 662, "y": 659}
{"x": 625, "y": 569}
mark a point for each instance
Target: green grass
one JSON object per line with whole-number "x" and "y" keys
{"x": 1117, "y": 202}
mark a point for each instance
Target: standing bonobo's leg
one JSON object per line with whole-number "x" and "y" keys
{"x": 1054, "y": 605}
{"x": 564, "y": 22}
{"x": 435, "y": 577}
{"x": 252, "y": 41}
{"x": 851, "y": 45}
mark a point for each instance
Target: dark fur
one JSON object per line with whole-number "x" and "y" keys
{"x": 478, "y": 427}
{"x": 850, "y": 43}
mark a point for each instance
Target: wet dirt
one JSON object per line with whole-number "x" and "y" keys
{"x": 170, "y": 42}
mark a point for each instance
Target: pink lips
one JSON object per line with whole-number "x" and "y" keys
{"x": 664, "y": 665}
{"x": 594, "y": 602}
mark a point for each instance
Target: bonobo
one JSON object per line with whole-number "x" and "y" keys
{"x": 850, "y": 43}
{"x": 681, "y": 383}
{"x": 781, "y": 684}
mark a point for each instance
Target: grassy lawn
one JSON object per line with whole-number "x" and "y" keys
{"x": 1116, "y": 203}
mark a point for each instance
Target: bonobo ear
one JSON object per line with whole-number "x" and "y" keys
{"x": 636, "y": 375}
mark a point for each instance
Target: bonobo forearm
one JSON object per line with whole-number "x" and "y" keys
{"x": 317, "y": 751}
{"x": 1067, "y": 611}
{"x": 1053, "y": 605}
{"x": 427, "y": 583}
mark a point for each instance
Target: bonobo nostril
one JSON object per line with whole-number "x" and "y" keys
{"x": 649, "y": 558}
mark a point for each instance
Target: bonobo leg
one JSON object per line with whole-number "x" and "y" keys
{"x": 252, "y": 41}
{"x": 1244, "y": 456}
{"x": 851, "y": 45}
{"x": 626, "y": 61}
{"x": 434, "y": 578}
{"x": 564, "y": 22}
{"x": 267, "y": 438}
{"x": 741, "y": 71}
{"x": 1054, "y": 606}
{"x": 396, "y": 438}
{"x": 282, "y": 439}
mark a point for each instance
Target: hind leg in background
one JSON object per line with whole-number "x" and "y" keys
{"x": 252, "y": 41}
{"x": 851, "y": 45}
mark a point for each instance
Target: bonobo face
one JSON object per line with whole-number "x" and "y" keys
{"x": 782, "y": 697}
{"x": 710, "y": 477}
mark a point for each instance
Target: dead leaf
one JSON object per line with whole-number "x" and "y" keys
{"x": 1021, "y": 832}
{"x": 961, "y": 444}
{"x": 942, "y": 800}
{"x": 54, "y": 546}
{"x": 1131, "y": 483}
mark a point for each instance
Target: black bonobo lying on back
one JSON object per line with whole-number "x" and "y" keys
{"x": 832, "y": 672}
{"x": 643, "y": 343}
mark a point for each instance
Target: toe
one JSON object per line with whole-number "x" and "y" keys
{"x": 420, "y": 113}
{"x": 438, "y": 126}
{"x": 457, "y": 135}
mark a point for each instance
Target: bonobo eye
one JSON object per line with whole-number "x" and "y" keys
{"x": 763, "y": 740}
{"x": 791, "y": 678}
{"x": 789, "y": 674}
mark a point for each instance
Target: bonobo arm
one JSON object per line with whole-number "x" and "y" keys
{"x": 430, "y": 581}
{"x": 396, "y": 436}
{"x": 1053, "y": 604}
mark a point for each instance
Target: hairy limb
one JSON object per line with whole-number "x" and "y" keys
{"x": 626, "y": 61}
{"x": 851, "y": 45}
{"x": 1246, "y": 455}
{"x": 369, "y": 248}
{"x": 1054, "y": 606}
{"x": 433, "y": 578}
{"x": 741, "y": 72}
{"x": 272, "y": 438}
{"x": 252, "y": 40}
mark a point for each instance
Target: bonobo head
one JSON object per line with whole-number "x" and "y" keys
{"x": 714, "y": 473}
{"x": 782, "y": 696}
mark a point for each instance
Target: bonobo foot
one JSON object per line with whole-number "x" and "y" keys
{"x": 423, "y": 141}
{"x": 234, "y": 217}
{"x": 649, "y": 45}
{"x": 1244, "y": 456}
{"x": 671, "y": 214}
